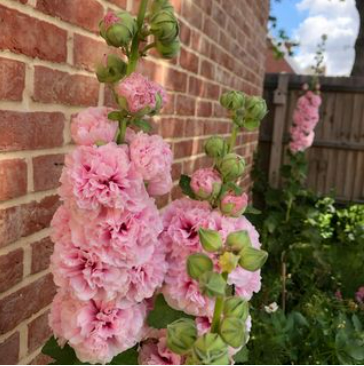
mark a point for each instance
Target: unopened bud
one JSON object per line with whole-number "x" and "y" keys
{"x": 215, "y": 147}
{"x": 233, "y": 100}
{"x": 210, "y": 240}
{"x": 210, "y": 349}
{"x": 198, "y": 264}
{"x": 236, "y": 307}
{"x": 228, "y": 262}
{"x": 232, "y": 331}
{"x": 181, "y": 335}
{"x": 238, "y": 240}
{"x": 255, "y": 111}
{"x": 111, "y": 70}
{"x": 164, "y": 26}
{"x": 212, "y": 284}
{"x": 232, "y": 204}
{"x": 169, "y": 50}
{"x": 206, "y": 183}
{"x": 232, "y": 167}
{"x": 161, "y": 5}
{"x": 252, "y": 259}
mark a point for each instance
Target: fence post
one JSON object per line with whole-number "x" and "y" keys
{"x": 280, "y": 102}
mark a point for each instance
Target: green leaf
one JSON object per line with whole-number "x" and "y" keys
{"x": 162, "y": 314}
{"x": 242, "y": 356}
{"x": 253, "y": 211}
{"x": 115, "y": 116}
{"x": 184, "y": 183}
{"x": 129, "y": 357}
{"x": 143, "y": 125}
{"x": 61, "y": 356}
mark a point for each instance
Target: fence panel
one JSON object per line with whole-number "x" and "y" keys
{"x": 336, "y": 159}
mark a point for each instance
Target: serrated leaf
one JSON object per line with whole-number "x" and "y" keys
{"x": 162, "y": 314}
{"x": 61, "y": 356}
{"x": 129, "y": 357}
{"x": 143, "y": 125}
{"x": 184, "y": 183}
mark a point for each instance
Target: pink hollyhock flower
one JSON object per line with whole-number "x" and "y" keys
{"x": 109, "y": 19}
{"x": 233, "y": 205}
{"x": 60, "y": 225}
{"x": 161, "y": 185}
{"x": 102, "y": 176}
{"x": 360, "y": 295}
{"x": 96, "y": 330}
{"x": 206, "y": 183}
{"x": 155, "y": 352}
{"x": 140, "y": 94}
{"x": 92, "y": 126}
{"x": 151, "y": 156}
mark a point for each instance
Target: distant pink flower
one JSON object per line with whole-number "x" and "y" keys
{"x": 206, "y": 183}
{"x": 96, "y": 330}
{"x": 139, "y": 93}
{"x": 92, "y": 126}
{"x": 102, "y": 176}
{"x": 154, "y": 351}
{"x": 151, "y": 156}
{"x": 360, "y": 295}
{"x": 232, "y": 204}
{"x": 338, "y": 295}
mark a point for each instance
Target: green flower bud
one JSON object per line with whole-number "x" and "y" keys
{"x": 164, "y": 26}
{"x": 198, "y": 264}
{"x": 228, "y": 262}
{"x": 252, "y": 259}
{"x": 118, "y": 29}
{"x": 232, "y": 331}
{"x": 215, "y": 147}
{"x": 210, "y": 240}
{"x": 210, "y": 349}
{"x": 238, "y": 118}
{"x": 236, "y": 307}
{"x": 181, "y": 335}
{"x": 212, "y": 284}
{"x": 161, "y": 5}
{"x": 170, "y": 50}
{"x": 232, "y": 166}
{"x": 233, "y": 100}
{"x": 256, "y": 110}
{"x": 238, "y": 240}
{"x": 111, "y": 70}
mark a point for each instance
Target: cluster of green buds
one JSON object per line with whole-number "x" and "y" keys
{"x": 165, "y": 29}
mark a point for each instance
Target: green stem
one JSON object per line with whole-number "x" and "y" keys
{"x": 219, "y": 306}
{"x": 233, "y": 137}
{"x": 122, "y": 131}
{"x": 289, "y": 207}
{"x": 134, "y": 56}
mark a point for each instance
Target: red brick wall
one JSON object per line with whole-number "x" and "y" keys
{"x": 48, "y": 49}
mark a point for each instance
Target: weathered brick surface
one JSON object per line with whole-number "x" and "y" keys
{"x": 46, "y": 75}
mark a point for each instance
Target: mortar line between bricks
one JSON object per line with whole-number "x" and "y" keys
{"x": 27, "y": 359}
{"x": 22, "y": 154}
{"x": 23, "y": 341}
{"x": 27, "y": 321}
{"x": 28, "y": 198}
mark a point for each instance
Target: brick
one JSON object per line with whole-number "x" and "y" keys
{"x": 23, "y": 220}
{"x": 41, "y": 359}
{"x": 189, "y": 61}
{"x": 12, "y": 79}
{"x": 185, "y": 105}
{"x": 193, "y": 128}
{"x": 83, "y": 13}
{"x": 25, "y": 302}
{"x": 38, "y": 332}
{"x": 162, "y": 201}
{"x": 23, "y": 34}
{"x": 13, "y": 178}
{"x": 176, "y": 171}
{"x": 175, "y": 80}
{"x": 11, "y": 269}
{"x": 204, "y": 109}
{"x": 185, "y": 33}
{"x": 207, "y": 69}
{"x": 41, "y": 252}
{"x": 52, "y": 86}
{"x": 219, "y": 15}
{"x": 196, "y": 87}
{"x": 171, "y": 127}
{"x": 187, "y": 148}
{"x": 47, "y": 170}
{"x": 28, "y": 131}
{"x": 9, "y": 350}
{"x": 119, "y": 3}
{"x": 193, "y": 14}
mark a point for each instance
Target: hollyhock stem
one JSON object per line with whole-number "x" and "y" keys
{"x": 219, "y": 306}
{"x": 122, "y": 131}
{"x": 134, "y": 57}
{"x": 233, "y": 137}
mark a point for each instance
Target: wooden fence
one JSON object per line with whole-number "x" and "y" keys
{"x": 336, "y": 159}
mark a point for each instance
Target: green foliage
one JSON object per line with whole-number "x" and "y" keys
{"x": 185, "y": 185}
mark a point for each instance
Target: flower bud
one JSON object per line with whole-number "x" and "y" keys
{"x": 206, "y": 183}
{"x": 210, "y": 240}
{"x": 232, "y": 167}
{"x": 215, "y": 147}
{"x": 239, "y": 117}
{"x": 164, "y": 26}
{"x": 181, "y": 335}
{"x": 198, "y": 264}
{"x": 236, "y": 307}
{"x": 111, "y": 70}
{"x": 118, "y": 29}
{"x": 252, "y": 259}
{"x": 228, "y": 262}
{"x": 212, "y": 284}
{"x": 210, "y": 349}
{"x": 256, "y": 109}
{"x": 169, "y": 50}
{"x": 233, "y": 100}
{"x": 232, "y": 204}
{"x": 238, "y": 240}
{"x": 161, "y": 5}
{"x": 232, "y": 331}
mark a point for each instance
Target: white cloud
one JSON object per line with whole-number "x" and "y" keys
{"x": 339, "y": 20}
